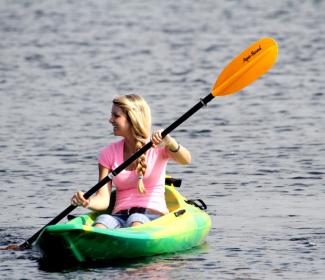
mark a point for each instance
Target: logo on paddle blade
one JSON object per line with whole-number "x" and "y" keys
{"x": 253, "y": 52}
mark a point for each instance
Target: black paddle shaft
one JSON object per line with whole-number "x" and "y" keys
{"x": 116, "y": 171}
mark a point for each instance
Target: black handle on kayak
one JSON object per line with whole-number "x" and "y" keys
{"x": 173, "y": 181}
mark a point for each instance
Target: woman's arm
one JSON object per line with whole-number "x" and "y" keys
{"x": 100, "y": 201}
{"x": 175, "y": 151}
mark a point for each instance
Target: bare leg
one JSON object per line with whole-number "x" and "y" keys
{"x": 135, "y": 224}
{"x": 100, "y": 226}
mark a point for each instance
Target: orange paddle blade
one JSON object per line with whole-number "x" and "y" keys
{"x": 247, "y": 67}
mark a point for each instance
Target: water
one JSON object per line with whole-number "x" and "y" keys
{"x": 258, "y": 156}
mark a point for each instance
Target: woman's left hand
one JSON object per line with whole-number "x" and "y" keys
{"x": 177, "y": 152}
{"x": 157, "y": 139}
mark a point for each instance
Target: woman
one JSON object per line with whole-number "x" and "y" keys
{"x": 140, "y": 188}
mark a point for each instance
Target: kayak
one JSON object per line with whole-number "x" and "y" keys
{"x": 184, "y": 227}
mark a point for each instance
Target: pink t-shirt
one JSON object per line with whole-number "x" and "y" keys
{"x": 126, "y": 182}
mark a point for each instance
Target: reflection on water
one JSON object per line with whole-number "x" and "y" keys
{"x": 157, "y": 267}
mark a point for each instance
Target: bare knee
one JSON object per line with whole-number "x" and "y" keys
{"x": 100, "y": 226}
{"x": 135, "y": 224}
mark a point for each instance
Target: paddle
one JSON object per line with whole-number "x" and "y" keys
{"x": 239, "y": 73}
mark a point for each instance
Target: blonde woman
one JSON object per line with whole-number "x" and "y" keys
{"x": 140, "y": 188}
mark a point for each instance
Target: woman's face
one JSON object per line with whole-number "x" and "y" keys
{"x": 120, "y": 122}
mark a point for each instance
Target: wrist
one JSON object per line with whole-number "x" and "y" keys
{"x": 171, "y": 144}
{"x": 88, "y": 204}
{"x": 174, "y": 149}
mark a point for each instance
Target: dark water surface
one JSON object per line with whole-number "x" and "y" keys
{"x": 258, "y": 156}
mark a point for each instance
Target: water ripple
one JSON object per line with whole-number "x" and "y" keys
{"x": 258, "y": 156}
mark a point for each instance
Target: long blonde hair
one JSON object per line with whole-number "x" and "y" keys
{"x": 139, "y": 116}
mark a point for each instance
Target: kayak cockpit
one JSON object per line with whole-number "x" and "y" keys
{"x": 173, "y": 200}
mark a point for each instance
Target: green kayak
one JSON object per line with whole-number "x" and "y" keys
{"x": 186, "y": 226}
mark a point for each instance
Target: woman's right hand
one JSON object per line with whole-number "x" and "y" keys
{"x": 79, "y": 200}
